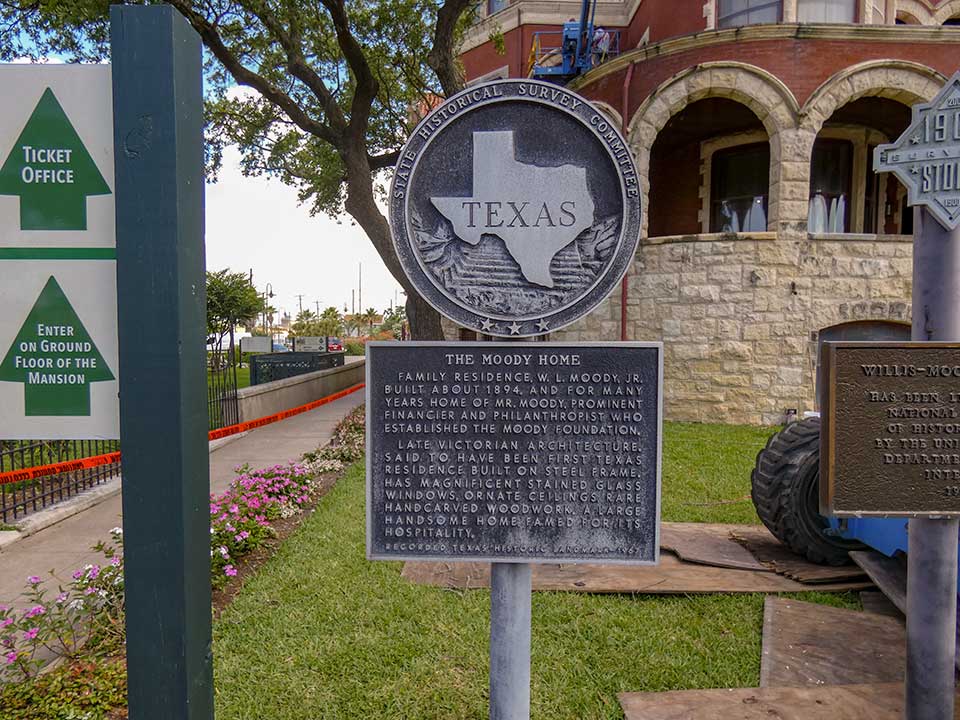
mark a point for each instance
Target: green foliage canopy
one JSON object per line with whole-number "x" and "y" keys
{"x": 231, "y": 301}
{"x": 316, "y": 94}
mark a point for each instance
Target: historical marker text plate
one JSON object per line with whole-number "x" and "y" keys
{"x": 513, "y": 452}
{"x": 890, "y": 442}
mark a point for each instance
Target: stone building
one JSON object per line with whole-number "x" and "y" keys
{"x": 753, "y": 124}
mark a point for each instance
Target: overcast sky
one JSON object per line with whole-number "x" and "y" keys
{"x": 253, "y": 222}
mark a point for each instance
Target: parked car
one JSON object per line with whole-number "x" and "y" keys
{"x": 334, "y": 345}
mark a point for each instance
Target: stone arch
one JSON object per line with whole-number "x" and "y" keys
{"x": 898, "y": 80}
{"x": 918, "y": 12}
{"x": 948, "y": 10}
{"x": 764, "y": 94}
{"x": 901, "y": 80}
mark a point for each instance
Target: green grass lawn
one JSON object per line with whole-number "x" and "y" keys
{"x": 243, "y": 376}
{"x": 320, "y": 632}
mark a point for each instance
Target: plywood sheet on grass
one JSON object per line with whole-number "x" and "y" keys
{"x": 839, "y": 702}
{"x": 708, "y": 544}
{"x": 888, "y": 574}
{"x": 772, "y": 553}
{"x": 671, "y": 576}
{"x": 809, "y": 644}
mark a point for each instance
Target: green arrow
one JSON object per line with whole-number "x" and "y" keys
{"x": 54, "y": 357}
{"x": 51, "y": 171}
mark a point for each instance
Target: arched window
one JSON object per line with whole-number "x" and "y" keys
{"x": 733, "y": 13}
{"x": 830, "y": 201}
{"x": 826, "y": 11}
{"x": 740, "y": 184}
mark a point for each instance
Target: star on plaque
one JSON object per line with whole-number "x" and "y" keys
{"x": 485, "y": 324}
{"x": 514, "y": 328}
{"x": 915, "y": 169}
{"x": 915, "y": 140}
{"x": 542, "y": 325}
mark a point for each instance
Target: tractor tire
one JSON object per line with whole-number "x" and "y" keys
{"x": 785, "y": 491}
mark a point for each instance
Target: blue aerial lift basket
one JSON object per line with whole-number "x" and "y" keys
{"x": 561, "y": 55}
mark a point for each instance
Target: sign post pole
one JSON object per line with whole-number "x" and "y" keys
{"x": 158, "y": 134}
{"x": 510, "y": 593}
{"x": 924, "y": 159}
{"x": 932, "y": 567}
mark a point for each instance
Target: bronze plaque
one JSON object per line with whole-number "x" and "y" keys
{"x": 890, "y": 439}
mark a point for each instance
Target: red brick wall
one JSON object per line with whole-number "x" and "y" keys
{"x": 666, "y": 19}
{"x": 802, "y": 64}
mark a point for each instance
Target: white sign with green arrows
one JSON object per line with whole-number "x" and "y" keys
{"x": 58, "y": 331}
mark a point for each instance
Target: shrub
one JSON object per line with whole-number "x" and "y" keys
{"x": 87, "y": 614}
{"x": 346, "y": 446}
{"x": 240, "y": 517}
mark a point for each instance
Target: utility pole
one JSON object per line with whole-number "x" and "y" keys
{"x": 317, "y": 302}
{"x": 300, "y": 300}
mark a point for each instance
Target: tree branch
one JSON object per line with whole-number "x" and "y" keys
{"x": 442, "y": 57}
{"x": 366, "y": 84}
{"x": 211, "y": 38}
{"x": 384, "y": 160}
{"x": 297, "y": 64}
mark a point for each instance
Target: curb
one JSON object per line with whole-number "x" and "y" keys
{"x": 61, "y": 511}
{"x": 84, "y": 501}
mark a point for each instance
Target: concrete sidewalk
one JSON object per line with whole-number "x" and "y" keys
{"x": 65, "y": 546}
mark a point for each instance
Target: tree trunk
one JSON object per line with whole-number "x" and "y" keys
{"x": 360, "y": 203}
{"x": 424, "y": 320}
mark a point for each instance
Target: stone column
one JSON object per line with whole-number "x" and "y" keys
{"x": 793, "y": 188}
{"x": 789, "y": 11}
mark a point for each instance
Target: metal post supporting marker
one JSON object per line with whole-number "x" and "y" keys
{"x": 510, "y": 591}
{"x": 932, "y": 564}
{"x": 158, "y": 136}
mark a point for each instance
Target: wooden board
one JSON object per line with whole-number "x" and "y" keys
{"x": 839, "y": 702}
{"x": 874, "y": 601}
{"x": 708, "y": 544}
{"x": 671, "y": 576}
{"x": 888, "y": 574}
{"x": 809, "y": 644}
{"x": 771, "y": 552}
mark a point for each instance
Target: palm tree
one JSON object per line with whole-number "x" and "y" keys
{"x": 370, "y": 317}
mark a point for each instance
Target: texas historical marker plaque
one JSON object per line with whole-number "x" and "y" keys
{"x": 515, "y": 208}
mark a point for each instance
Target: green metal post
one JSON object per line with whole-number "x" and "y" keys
{"x": 158, "y": 135}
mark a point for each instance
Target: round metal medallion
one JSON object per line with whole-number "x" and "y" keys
{"x": 515, "y": 207}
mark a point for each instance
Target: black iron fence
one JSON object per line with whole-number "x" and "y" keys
{"x": 277, "y": 366}
{"x": 23, "y": 497}
{"x": 223, "y": 409}
{"x": 20, "y": 498}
